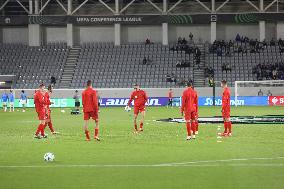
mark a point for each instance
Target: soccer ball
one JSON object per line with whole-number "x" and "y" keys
{"x": 49, "y": 156}
{"x": 127, "y": 108}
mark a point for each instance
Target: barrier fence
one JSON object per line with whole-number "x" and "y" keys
{"x": 163, "y": 101}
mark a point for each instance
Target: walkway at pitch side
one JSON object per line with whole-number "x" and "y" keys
{"x": 265, "y": 119}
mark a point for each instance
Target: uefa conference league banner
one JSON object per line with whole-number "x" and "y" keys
{"x": 243, "y": 18}
{"x": 163, "y": 101}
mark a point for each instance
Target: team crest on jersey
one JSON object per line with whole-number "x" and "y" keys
{"x": 135, "y": 97}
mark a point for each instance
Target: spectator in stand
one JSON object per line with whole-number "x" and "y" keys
{"x": 179, "y": 40}
{"x": 260, "y": 93}
{"x": 147, "y": 42}
{"x": 269, "y": 93}
{"x": 144, "y": 62}
{"x": 281, "y": 49}
{"x": 169, "y": 78}
{"x": 219, "y": 51}
{"x": 272, "y": 42}
{"x": 238, "y": 38}
{"x": 274, "y": 74}
{"x": 211, "y": 82}
{"x": 231, "y": 43}
{"x": 281, "y": 42}
{"x": 190, "y": 36}
{"x": 264, "y": 43}
{"x": 184, "y": 41}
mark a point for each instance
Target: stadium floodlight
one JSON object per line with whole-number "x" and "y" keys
{"x": 252, "y": 88}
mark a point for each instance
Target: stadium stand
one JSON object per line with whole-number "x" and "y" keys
{"x": 122, "y": 66}
{"x": 152, "y": 65}
{"x": 238, "y": 61}
{"x": 33, "y": 65}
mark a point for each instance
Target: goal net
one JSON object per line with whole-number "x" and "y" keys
{"x": 267, "y": 89}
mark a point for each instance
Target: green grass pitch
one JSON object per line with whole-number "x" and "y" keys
{"x": 160, "y": 157}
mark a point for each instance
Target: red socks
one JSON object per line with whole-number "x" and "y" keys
{"x": 87, "y": 134}
{"x": 196, "y": 126}
{"x": 226, "y": 127}
{"x": 40, "y": 129}
{"x": 188, "y": 129}
{"x": 50, "y": 126}
{"x": 135, "y": 127}
{"x": 193, "y": 127}
{"x": 45, "y": 125}
{"x": 96, "y": 132}
{"x": 141, "y": 125}
{"x": 229, "y": 126}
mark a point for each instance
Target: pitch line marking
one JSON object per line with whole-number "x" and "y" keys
{"x": 224, "y": 160}
{"x": 184, "y": 164}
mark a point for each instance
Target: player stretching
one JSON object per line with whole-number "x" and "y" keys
{"x": 140, "y": 99}
{"x": 195, "y": 105}
{"x": 23, "y": 100}
{"x": 4, "y": 101}
{"x": 188, "y": 110}
{"x": 90, "y": 109}
{"x": 48, "y": 110}
{"x": 40, "y": 103}
{"x": 170, "y": 96}
{"x": 11, "y": 100}
{"x": 226, "y": 109}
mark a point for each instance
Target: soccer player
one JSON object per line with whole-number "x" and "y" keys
{"x": 226, "y": 109}
{"x": 11, "y": 100}
{"x": 140, "y": 99}
{"x": 40, "y": 103}
{"x": 48, "y": 110}
{"x": 195, "y": 114}
{"x": 4, "y": 101}
{"x": 188, "y": 109}
{"x": 170, "y": 96}
{"x": 23, "y": 100}
{"x": 90, "y": 109}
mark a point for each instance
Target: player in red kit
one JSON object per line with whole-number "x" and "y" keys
{"x": 195, "y": 105}
{"x": 226, "y": 109}
{"x": 90, "y": 109}
{"x": 188, "y": 110}
{"x": 170, "y": 96}
{"x": 140, "y": 99}
{"x": 48, "y": 110}
{"x": 39, "y": 101}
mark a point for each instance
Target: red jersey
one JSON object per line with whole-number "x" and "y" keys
{"x": 39, "y": 101}
{"x": 187, "y": 104}
{"x": 90, "y": 100}
{"x": 47, "y": 100}
{"x": 195, "y": 99}
{"x": 170, "y": 94}
{"x": 226, "y": 99}
{"x": 140, "y": 98}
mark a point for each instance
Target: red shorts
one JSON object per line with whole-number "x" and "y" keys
{"x": 138, "y": 109}
{"x": 225, "y": 114}
{"x": 93, "y": 115}
{"x": 190, "y": 116}
{"x": 41, "y": 115}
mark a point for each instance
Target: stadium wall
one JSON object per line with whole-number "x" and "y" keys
{"x": 138, "y": 33}
{"x": 201, "y": 33}
{"x": 15, "y": 35}
{"x": 280, "y": 30}
{"x": 54, "y": 34}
